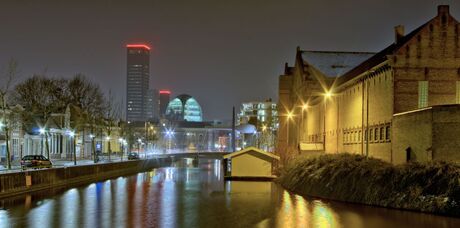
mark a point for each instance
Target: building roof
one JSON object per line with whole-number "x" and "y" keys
{"x": 251, "y": 149}
{"x": 379, "y": 57}
{"x": 184, "y": 98}
{"x": 334, "y": 64}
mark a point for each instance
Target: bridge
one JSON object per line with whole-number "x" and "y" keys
{"x": 210, "y": 155}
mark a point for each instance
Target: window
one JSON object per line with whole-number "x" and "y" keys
{"x": 365, "y": 135}
{"x": 387, "y": 133}
{"x": 359, "y": 136}
{"x": 370, "y": 135}
{"x": 381, "y": 133}
{"x": 457, "y": 94}
{"x": 376, "y": 134}
{"x": 422, "y": 94}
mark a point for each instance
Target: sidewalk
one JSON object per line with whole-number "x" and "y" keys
{"x": 16, "y": 167}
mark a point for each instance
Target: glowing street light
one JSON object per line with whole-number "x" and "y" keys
{"x": 107, "y": 138}
{"x": 305, "y": 106}
{"x": 328, "y": 94}
{"x": 72, "y": 136}
{"x": 42, "y": 131}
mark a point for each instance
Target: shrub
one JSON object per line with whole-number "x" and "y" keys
{"x": 430, "y": 187}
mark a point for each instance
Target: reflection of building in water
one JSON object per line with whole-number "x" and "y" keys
{"x": 248, "y": 187}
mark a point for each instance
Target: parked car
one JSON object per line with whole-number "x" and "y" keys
{"x": 133, "y": 156}
{"x": 35, "y": 161}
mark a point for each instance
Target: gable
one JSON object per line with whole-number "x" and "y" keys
{"x": 438, "y": 40}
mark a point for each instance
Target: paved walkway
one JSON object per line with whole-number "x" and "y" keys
{"x": 16, "y": 167}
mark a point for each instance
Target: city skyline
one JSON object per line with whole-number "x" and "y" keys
{"x": 190, "y": 53}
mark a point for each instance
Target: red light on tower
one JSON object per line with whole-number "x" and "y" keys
{"x": 138, "y": 46}
{"x": 165, "y": 92}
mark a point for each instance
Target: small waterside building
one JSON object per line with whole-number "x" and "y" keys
{"x": 250, "y": 163}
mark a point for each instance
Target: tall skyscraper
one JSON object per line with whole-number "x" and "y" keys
{"x": 137, "y": 82}
{"x": 165, "y": 96}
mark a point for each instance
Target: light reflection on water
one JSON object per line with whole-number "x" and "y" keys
{"x": 187, "y": 196}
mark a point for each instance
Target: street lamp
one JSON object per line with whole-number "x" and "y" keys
{"x": 72, "y": 137}
{"x": 169, "y": 134}
{"x": 289, "y": 116}
{"x": 42, "y": 132}
{"x": 304, "y": 132}
{"x": 93, "y": 147}
{"x": 120, "y": 142}
{"x": 139, "y": 141}
{"x": 305, "y": 106}
{"x": 327, "y": 95}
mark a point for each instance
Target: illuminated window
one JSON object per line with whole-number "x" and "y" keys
{"x": 189, "y": 111}
{"x": 458, "y": 93}
{"x": 422, "y": 94}
{"x": 192, "y": 111}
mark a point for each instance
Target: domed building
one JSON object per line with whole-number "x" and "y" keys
{"x": 184, "y": 108}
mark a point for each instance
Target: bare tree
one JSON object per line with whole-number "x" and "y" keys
{"x": 111, "y": 117}
{"x": 8, "y": 78}
{"x": 89, "y": 98}
{"x": 41, "y": 97}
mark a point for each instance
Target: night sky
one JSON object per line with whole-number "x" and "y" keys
{"x": 222, "y": 52}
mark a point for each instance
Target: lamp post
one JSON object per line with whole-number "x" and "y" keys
{"x": 139, "y": 141}
{"x": 74, "y": 146}
{"x": 108, "y": 146}
{"x": 120, "y": 143}
{"x": 169, "y": 134}
{"x": 304, "y": 108}
{"x": 289, "y": 116}
{"x": 327, "y": 95}
{"x": 93, "y": 149}
{"x": 42, "y": 132}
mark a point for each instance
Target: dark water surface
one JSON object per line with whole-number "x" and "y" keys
{"x": 187, "y": 196}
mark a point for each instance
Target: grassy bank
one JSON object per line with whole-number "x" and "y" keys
{"x": 427, "y": 187}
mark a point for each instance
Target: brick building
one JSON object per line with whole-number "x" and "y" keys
{"x": 336, "y": 102}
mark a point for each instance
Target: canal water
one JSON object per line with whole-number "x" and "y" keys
{"x": 191, "y": 195}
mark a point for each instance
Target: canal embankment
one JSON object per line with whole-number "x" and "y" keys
{"x": 427, "y": 187}
{"x": 34, "y": 180}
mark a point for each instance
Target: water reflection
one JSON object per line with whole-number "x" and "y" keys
{"x": 187, "y": 195}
